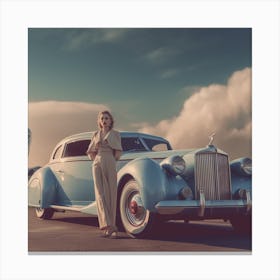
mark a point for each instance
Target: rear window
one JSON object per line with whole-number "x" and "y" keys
{"x": 76, "y": 149}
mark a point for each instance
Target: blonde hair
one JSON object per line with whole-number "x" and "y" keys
{"x": 110, "y": 116}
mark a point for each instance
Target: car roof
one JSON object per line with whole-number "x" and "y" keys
{"x": 88, "y": 135}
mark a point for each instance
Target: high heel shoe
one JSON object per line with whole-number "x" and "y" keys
{"x": 111, "y": 232}
{"x": 105, "y": 233}
{"x": 114, "y": 235}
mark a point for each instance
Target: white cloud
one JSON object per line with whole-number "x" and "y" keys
{"x": 89, "y": 37}
{"x": 161, "y": 54}
{"x": 225, "y": 109}
{"x": 50, "y": 121}
{"x": 169, "y": 73}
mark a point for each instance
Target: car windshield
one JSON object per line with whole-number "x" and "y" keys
{"x": 157, "y": 145}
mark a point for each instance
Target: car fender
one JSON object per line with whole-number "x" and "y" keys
{"x": 42, "y": 188}
{"x": 240, "y": 182}
{"x": 239, "y": 179}
{"x": 154, "y": 182}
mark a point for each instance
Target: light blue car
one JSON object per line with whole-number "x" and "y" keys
{"x": 155, "y": 183}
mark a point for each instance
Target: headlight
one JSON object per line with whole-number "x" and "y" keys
{"x": 174, "y": 164}
{"x": 242, "y": 166}
{"x": 179, "y": 165}
{"x": 246, "y": 165}
{"x": 186, "y": 193}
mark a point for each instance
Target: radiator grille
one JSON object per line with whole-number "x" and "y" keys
{"x": 212, "y": 176}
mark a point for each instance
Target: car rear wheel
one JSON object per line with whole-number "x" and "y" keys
{"x": 137, "y": 221}
{"x": 44, "y": 213}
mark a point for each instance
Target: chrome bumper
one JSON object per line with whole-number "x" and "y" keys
{"x": 174, "y": 207}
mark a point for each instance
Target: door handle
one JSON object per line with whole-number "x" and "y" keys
{"x": 59, "y": 171}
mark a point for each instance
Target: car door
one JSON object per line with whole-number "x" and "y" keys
{"x": 74, "y": 174}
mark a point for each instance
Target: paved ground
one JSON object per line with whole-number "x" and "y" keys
{"x": 76, "y": 232}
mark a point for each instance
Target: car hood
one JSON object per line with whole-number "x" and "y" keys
{"x": 155, "y": 155}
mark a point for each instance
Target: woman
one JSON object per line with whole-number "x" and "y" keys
{"x": 104, "y": 149}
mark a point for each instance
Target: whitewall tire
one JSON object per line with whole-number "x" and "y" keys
{"x": 137, "y": 221}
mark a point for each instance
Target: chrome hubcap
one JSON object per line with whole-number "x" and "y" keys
{"x": 135, "y": 210}
{"x": 133, "y": 207}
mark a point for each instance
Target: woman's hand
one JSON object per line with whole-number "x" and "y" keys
{"x": 91, "y": 154}
{"x": 117, "y": 154}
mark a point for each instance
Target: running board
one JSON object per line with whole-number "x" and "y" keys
{"x": 87, "y": 209}
{"x": 68, "y": 208}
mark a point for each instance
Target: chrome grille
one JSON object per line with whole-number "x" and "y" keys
{"x": 212, "y": 176}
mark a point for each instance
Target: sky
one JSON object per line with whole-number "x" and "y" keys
{"x": 179, "y": 83}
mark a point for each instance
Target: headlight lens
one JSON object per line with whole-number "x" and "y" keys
{"x": 247, "y": 166}
{"x": 179, "y": 165}
{"x": 174, "y": 164}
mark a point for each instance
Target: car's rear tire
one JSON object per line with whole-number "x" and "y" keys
{"x": 137, "y": 221}
{"x": 44, "y": 213}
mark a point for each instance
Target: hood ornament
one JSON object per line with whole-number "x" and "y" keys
{"x": 211, "y": 138}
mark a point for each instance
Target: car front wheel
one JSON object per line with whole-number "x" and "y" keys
{"x": 137, "y": 221}
{"x": 44, "y": 213}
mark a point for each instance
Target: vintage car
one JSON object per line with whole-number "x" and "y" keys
{"x": 155, "y": 183}
{"x": 31, "y": 170}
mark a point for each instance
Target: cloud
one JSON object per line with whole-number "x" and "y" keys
{"x": 88, "y": 37}
{"x": 169, "y": 73}
{"x": 225, "y": 109}
{"x": 161, "y": 54}
{"x": 50, "y": 121}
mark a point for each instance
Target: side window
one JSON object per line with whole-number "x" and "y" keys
{"x": 57, "y": 153}
{"x": 132, "y": 144}
{"x": 157, "y": 145}
{"x": 76, "y": 149}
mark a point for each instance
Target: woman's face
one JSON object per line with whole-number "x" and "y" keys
{"x": 105, "y": 121}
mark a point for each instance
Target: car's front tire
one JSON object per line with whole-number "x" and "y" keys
{"x": 44, "y": 213}
{"x": 137, "y": 221}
